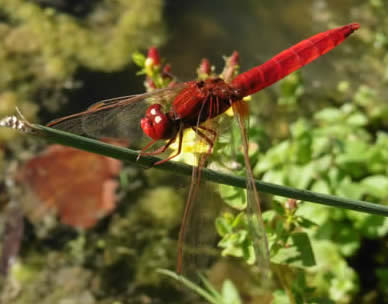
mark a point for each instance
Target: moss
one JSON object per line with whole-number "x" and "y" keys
{"x": 140, "y": 240}
{"x": 48, "y": 279}
{"x": 163, "y": 206}
{"x": 43, "y": 48}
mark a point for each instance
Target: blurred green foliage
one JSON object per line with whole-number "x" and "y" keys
{"x": 340, "y": 150}
{"x": 42, "y": 48}
{"x": 228, "y": 295}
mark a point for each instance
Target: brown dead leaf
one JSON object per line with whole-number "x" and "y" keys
{"x": 78, "y": 185}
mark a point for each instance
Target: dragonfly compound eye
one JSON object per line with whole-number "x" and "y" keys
{"x": 156, "y": 124}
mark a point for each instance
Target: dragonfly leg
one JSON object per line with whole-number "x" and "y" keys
{"x": 209, "y": 140}
{"x": 163, "y": 148}
{"x": 211, "y": 131}
{"x": 178, "y": 151}
{"x": 156, "y": 152}
{"x": 142, "y": 152}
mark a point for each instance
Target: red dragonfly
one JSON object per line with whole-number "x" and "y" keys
{"x": 163, "y": 115}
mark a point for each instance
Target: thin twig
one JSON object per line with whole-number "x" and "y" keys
{"x": 127, "y": 155}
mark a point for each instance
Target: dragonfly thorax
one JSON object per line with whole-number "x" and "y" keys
{"x": 203, "y": 100}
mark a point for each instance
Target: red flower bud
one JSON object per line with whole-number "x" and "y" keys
{"x": 234, "y": 59}
{"x": 231, "y": 67}
{"x": 205, "y": 67}
{"x": 153, "y": 54}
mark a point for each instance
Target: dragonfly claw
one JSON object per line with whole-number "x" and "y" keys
{"x": 138, "y": 156}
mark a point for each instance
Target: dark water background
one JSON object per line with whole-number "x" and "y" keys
{"x": 213, "y": 29}
{"x": 257, "y": 29}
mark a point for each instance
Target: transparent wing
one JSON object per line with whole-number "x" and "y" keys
{"x": 255, "y": 220}
{"x": 197, "y": 248}
{"x": 198, "y": 237}
{"x": 117, "y": 118}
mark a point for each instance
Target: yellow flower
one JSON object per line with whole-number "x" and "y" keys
{"x": 192, "y": 144}
{"x": 229, "y": 112}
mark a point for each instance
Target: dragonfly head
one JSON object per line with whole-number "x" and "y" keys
{"x": 156, "y": 124}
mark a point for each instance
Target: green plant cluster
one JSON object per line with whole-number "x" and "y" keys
{"x": 339, "y": 150}
{"x": 342, "y": 151}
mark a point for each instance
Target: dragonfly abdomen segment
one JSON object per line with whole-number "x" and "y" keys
{"x": 291, "y": 59}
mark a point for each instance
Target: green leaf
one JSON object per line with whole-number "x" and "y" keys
{"x": 269, "y": 216}
{"x": 139, "y": 59}
{"x": 274, "y": 156}
{"x": 280, "y": 297}
{"x": 306, "y": 223}
{"x": 321, "y": 186}
{"x": 300, "y": 128}
{"x": 371, "y": 226}
{"x": 210, "y": 288}
{"x": 321, "y": 145}
{"x": 302, "y": 241}
{"x": 274, "y": 176}
{"x": 329, "y": 115}
{"x": 322, "y": 164}
{"x": 239, "y": 220}
{"x": 376, "y": 186}
{"x": 355, "y": 151}
{"x": 298, "y": 254}
{"x": 206, "y": 294}
{"x": 235, "y": 237}
{"x": 222, "y": 226}
{"x": 365, "y": 96}
{"x": 349, "y": 189}
{"x": 278, "y": 207}
{"x": 335, "y": 176}
{"x": 230, "y": 294}
{"x": 347, "y": 237}
{"x": 357, "y": 119}
{"x": 301, "y": 149}
{"x": 233, "y": 196}
{"x": 333, "y": 272}
{"x": 298, "y": 288}
{"x": 300, "y": 176}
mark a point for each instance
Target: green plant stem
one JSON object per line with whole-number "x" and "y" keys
{"x": 213, "y": 299}
{"x": 127, "y": 155}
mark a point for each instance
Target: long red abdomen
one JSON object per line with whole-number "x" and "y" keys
{"x": 291, "y": 59}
